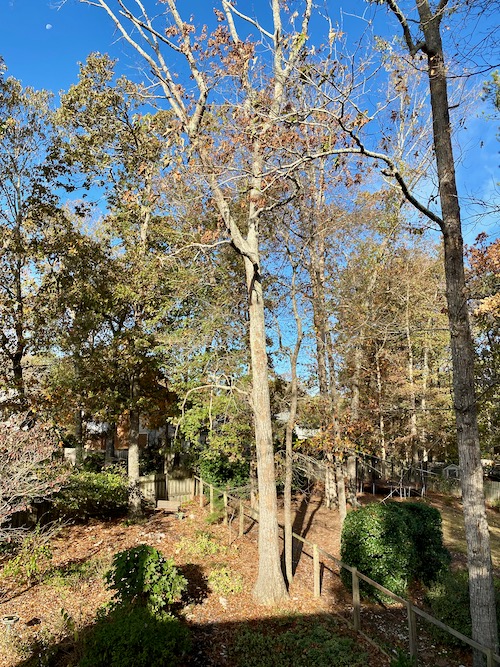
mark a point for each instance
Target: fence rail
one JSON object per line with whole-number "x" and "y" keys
{"x": 412, "y": 611}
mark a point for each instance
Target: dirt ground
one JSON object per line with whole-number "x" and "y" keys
{"x": 44, "y": 608}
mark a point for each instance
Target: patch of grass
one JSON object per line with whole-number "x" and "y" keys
{"x": 203, "y": 544}
{"x": 74, "y": 574}
{"x": 454, "y": 532}
{"x": 224, "y": 581}
{"x": 32, "y": 558}
{"x": 305, "y": 642}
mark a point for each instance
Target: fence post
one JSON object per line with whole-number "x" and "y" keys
{"x": 241, "y": 517}
{"x": 489, "y": 658}
{"x": 356, "y": 600}
{"x": 412, "y": 631}
{"x": 201, "y": 492}
{"x": 193, "y": 489}
{"x": 317, "y": 573}
{"x": 225, "y": 508}
{"x": 211, "y": 499}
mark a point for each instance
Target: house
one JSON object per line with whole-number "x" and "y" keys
{"x": 451, "y": 471}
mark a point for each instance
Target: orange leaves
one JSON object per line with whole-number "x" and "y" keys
{"x": 484, "y": 276}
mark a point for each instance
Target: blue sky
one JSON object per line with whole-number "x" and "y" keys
{"x": 42, "y": 45}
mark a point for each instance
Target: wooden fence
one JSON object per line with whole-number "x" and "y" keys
{"x": 163, "y": 487}
{"x": 452, "y": 487}
{"x": 412, "y": 611}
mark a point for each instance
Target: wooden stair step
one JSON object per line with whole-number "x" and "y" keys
{"x": 168, "y": 505}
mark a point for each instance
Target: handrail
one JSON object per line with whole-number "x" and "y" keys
{"x": 491, "y": 657}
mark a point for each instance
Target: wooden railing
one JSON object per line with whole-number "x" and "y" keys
{"x": 412, "y": 611}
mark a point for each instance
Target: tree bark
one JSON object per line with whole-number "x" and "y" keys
{"x": 411, "y": 380}
{"x": 331, "y": 495}
{"x": 78, "y": 436}
{"x": 289, "y": 431}
{"x": 481, "y": 588}
{"x": 134, "y": 499}
{"x": 270, "y": 585}
{"x": 110, "y": 446}
{"x": 339, "y": 475}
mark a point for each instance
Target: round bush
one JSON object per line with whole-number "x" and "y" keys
{"x": 427, "y": 536}
{"x": 132, "y": 636}
{"x": 144, "y": 576}
{"x": 393, "y": 544}
{"x": 377, "y": 541}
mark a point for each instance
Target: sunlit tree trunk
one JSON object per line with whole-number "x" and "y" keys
{"x": 481, "y": 588}
{"x": 134, "y": 497}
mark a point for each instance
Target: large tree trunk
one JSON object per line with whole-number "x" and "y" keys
{"x": 482, "y": 597}
{"x": 270, "y": 585}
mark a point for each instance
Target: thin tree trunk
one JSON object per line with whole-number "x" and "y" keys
{"x": 381, "y": 422}
{"x": 287, "y": 499}
{"x": 289, "y": 431}
{"x": 134, "y": 498}
{"x": 339, "y": 475}
{"x": 423, "y": 402}
{"x": 351, "y": 476}
{"x": 355, "y": 382}
{"x": 411, "y": 380}
{"x": 354, "y": 405}
{"x": 331, "y": 495}
{"x": 78, "y": 437}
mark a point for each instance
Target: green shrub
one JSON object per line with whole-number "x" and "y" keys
{"x": 376, "y": 540}
{"x": 224, "y": 581}
{"x": 132, "y": 636}
{"x": 220, "y": 469}
{"x": 217, "y": 515}
{"x": 307, "y": 643}
{"x": 427, "y": 537}
{"x": 93, "y": 461}
{"x": 142, "y": 575}
{"x": 93, "y": 494}
{"x": 448, "y": 599}
{"x": 393, "y": 544}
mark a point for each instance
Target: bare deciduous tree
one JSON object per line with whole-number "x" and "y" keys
{"x": 28, "y": 472}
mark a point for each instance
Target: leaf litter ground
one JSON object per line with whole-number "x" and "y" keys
{"x": 54, "y": 611}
